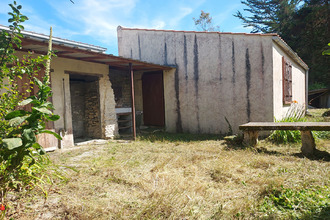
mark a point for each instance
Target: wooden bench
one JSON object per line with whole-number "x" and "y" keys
{"x": 251, "y": 130}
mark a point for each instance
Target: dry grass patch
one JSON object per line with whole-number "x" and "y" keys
{"x": 172, "y": 177}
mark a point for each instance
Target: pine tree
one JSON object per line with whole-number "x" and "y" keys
{"x": 268, "y": 16}
{"x": 304, "y": 25}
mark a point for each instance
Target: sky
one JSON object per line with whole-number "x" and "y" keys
{"x": 96, "y": 21}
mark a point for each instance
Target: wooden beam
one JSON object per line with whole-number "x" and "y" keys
{"x": 133, "y": 101}
{"x": 83, "y": 73}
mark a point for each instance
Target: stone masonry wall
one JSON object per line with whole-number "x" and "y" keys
{"x": 78, "y": 108}
{"x": 120, "y": 81}
{"x": 92, "y": 110}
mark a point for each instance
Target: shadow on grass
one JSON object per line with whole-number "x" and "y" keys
{"x": 269, "y": 152}
{"x": 318, "y": 155}
{"x": 324, "y": 213}
{"x": 175, "y": 137}
{"x": 234, "y": 145}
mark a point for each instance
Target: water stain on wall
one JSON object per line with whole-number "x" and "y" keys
{"x": 177, "y": 96}
{"x": 196, "y": 78}
{"x": 248, "y": 82}
{"x": 185, "y": 58}
{"x": 139, "y": 43}
{"x": 262, "y": 66}
{"x": 220, "y": 74}
{"x": 233, "y": 61}
{"x": 165, "y": 54}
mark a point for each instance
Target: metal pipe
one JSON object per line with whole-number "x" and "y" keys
{"x": 132, "y": 99}
{"x": 64, "y": 106}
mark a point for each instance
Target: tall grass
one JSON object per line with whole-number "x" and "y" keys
{"x": 286, "y": 136}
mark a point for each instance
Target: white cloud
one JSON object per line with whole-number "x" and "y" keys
{"x": 98, "y": 19}
{"x": 182, "y": 13}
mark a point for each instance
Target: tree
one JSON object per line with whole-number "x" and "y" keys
{"x": 304, "y": 25}
{"x": 20, "y": 154}
{"x": 204, "y": 22}
{"x": 326, "y": 52}
{"x": 268, "y": 16}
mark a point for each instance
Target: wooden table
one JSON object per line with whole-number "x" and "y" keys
{"x": 251, "y": 130}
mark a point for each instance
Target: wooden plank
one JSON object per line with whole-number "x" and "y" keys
{"x": 302, "y": 126}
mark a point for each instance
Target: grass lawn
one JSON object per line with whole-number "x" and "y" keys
{"x": 181, "y": 176}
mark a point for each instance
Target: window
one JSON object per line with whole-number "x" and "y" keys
{"x": 287, "y": 81}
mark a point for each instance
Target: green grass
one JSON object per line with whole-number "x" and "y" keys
{"x": 284, "y": 137}
{"x": 312, "y": 202}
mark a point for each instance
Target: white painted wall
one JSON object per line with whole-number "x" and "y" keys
{"x": 216, "y": 76}
{"x": 298, "y": 82}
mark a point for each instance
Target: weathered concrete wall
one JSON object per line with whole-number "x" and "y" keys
{"x": 61, "y": 67}
{"x": 298, "y": 82}
{"x": 218, "y": 76}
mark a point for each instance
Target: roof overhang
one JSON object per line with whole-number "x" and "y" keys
{"x": 38, "y": 43}
{"x": 65, "y": 51}
{"x": 289, "y": 50}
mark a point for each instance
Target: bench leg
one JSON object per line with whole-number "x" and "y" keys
{"x": 250, "y": 138}
{"x": 308, "y": 143}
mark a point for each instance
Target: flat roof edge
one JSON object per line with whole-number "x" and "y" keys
{"x": 201, "y": 32}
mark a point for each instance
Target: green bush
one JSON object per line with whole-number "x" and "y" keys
{"x": 22, "y": 159}
{"x": 286, "y": 136}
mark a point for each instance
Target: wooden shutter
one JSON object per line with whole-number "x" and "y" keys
{"x": 287, "y": 81}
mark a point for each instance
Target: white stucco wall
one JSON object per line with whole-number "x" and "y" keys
{"x": 298, "y": 82}
{"x": 216, "y": 76}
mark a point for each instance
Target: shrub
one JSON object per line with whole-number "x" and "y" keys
{"x": 286, "y": 136}
{"x": 21, "y": 157}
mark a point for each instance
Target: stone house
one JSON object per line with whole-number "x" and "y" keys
{"x": 218, "y": 79}
{"x": 184, "y": 81}
{"x": 83, "y": 94}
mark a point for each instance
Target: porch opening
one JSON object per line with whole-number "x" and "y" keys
{"x": 85, "y": 107}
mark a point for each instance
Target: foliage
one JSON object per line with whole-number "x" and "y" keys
{"x": 304, "y": 25}
{"x": 21, "y": 156}
{"x": 316, "y": 85}
{"x": 204, "y": 22}
{"x": 326, "y": 52}
{"x": 286, "y": 136}
{"x": 307, "y": 203}
{"x": 268, "y": 16}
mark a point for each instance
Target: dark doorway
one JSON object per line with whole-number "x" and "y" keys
{"x": 85, "y": 107}
{"x": 153, "y": 98}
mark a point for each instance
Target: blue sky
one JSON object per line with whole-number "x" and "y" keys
{"x": 95, "y": 21}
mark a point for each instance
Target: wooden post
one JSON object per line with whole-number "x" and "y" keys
{"x": 133, "y": 101}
